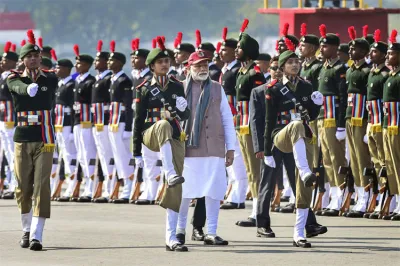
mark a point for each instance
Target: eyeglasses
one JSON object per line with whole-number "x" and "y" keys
{"x": 274, "y": 68}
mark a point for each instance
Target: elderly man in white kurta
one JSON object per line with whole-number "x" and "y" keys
{"x": 210, "y": 146}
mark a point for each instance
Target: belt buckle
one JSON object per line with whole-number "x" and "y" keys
{"x": 155, "y": 91}
{"x": 33, "y": 118}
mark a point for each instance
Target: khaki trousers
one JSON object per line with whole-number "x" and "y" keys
{"x": 155, "y": 137}
{"x": 359, "y": 153}
{"x": 376, "y": 149}
{"x": 251, "y": 163}
{"x": 391, "y": 145}
{"x": 284, "y": 141}
{"x": 333, "y": 153}
{"x": 314, "y": 146}
{"x": 32, "y": 172}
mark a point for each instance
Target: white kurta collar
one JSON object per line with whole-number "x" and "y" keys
{"x": 116, "y": 76}
{"x": 81, "y": 78}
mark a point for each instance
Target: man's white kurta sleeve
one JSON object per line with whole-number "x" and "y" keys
{"x": 227, "y": 122}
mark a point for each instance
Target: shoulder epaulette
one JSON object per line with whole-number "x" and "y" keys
{"x": 13, "y": 74}
{"x": 173, "y": 78}
{"x": 272, "y": 83}
{"x": 144, "y": 83}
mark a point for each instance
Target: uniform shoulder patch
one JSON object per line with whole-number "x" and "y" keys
{"x": 13, "y": 74}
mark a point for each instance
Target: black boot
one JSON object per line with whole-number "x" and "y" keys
{"x": 215, "y": 240}
{"x": 24, "y": 242}
{"x": 35, "y": 245}
{"x": 198, "y": 234}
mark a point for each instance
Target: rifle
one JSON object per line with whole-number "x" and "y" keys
{"x": 139, "y": 180}
{"x": 373, "y": 184}
{"x": 349, "y": 183}
{"x": 320, "y": 184}
{"x": 98, "y": 185}
{"x": 386, "y": 197}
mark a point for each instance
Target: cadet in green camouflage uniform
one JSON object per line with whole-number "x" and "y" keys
{"x": 33, "y": 96}
{"x": 160, "y": 107}
{"x": 356, "y": 120}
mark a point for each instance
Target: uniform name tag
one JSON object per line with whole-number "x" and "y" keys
{"x": 33, "y": 118}
{"x": 295, "y": 117}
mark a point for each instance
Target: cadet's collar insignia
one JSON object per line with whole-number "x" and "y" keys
{"x": 2, "y": 86}
{"x": 44, "y": 88}
{"x": 304, "y": 99}
{"x": 174, "y": 96}
{"x": 372, "y": 84}
{"x": 376, "y": 44}
{"x": 326, "y": 79}
{"x": 240, "y": 86}
{"x": 389, "y": 84}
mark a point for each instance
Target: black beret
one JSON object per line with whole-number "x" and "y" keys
{"x": 207, "y": 46}
{"x": 47, "y": 49}
{"x": 331, "y": 39}
{"x": 232, "y": 43}
{"x": 103, "y": 55}
{"x": 141, "y": 52}
{"x": 47, "y": 62}
{"x": 85, "y": 58}
{"x": 264, "y": 57}
{"x": 11, "y": 56}
{"x": 65, "y": 63}
{"x": 311, "y": 39}
{"x": 118, "y": 56}
{"x": 186, "y": 47}
{"x": 361, "y": 43}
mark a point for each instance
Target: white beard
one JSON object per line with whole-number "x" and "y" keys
{"x": 198, "y": 77}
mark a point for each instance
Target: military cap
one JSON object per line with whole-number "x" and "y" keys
{"x": 65, "y": 63}
{"x": 394, "y": 45}
{"x": 249, "y": 46}
{"x": 47, "y": 62}
{"x": 344, "y": 47}
{"x": 141, "y": 52}
{"x": 158, "y": 52}
{"x": 308, "y": 38}
{"x": 46, "y": 49}
{"x": 283, "y": 57}
{"x": 30, "y": 46}
{"x": 357, "y": 42}
{"x": 85, "y": 58}
{"x": 118, "y": 56}
{"x": 231, "y": 43}
{"x": 328, "y": 38}
{"x": 10, "y": 55}
{"x": 101, "y": 54}
{"x": 207, "y": 46}
{"x": 292, "y": 38}
{"x": 186, "y": 47}
{"x": 264, "y": 57}
{"x": 378, "y": 44}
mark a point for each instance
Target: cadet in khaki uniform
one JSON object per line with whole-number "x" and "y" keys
{"x": 311, "y": 67}
{"x": 376, "y": 80}
{"x": 356, "y": 120}
{"x": 290, "y": 105}
{"x": 331, "y": 122}
{"x": 160, "y": 107}
{"x": 391, "y": 138}
{"x": 33, "y": 97}
{"x": 249, "y": 77}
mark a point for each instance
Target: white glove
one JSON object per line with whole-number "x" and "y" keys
{"x": 181, "y": 103}
{"x": 366, "y": 139}
{"x": 126, "y": 135}
{"x": 317, "y": 98}
{"x": 139, "y": 161}
{"x": 270, "y": 161}
{"x": 340, "y": 133}
{"x": 32, "y": 89}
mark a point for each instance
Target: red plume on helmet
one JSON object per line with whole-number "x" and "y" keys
{"x": 179, "y": 37}
{"x": 244, "y": 25}
{"x": 76, "y": 50}
{"x": 365, "y": 31}
{"x": 99, "y": 45}
{"x": 112, "y": 46}
{"x": 352, "y": 32}
{"x": 154, "y": 43}
{"x": 7, "y": 47}
{"x": 53, "y": 54}
{"x": 290, "y": 45}
{"x": 160, "y": 43}
{"x": 31, "y": 37}
{"x": 303, "y": 29}
{"x": 40, "y": 42}
{"x": 198, "y": 38}
{"x": 393, "y": 36}
{"x": 322, "y": 30}
{"x": 377, "y": 35}
{"x": 224, "y": 33}
{"x": 163, "y": 39}
{"x": 218, "y": 47}
{"x": 285, "y": 29}
{"x": 23, "y": 42}
{"x": 133, "y": 44}
{"x": 13, "y": 47}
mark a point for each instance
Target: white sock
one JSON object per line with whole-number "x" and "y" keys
{"x": 212, "y": 212}
{"x": 126, "y": 192}
{"x": 254, "y": 210}
{"x": 325, "y": 198}
{"x": 301, "y": 219}
{"x": 300, "y": 158}
{"x": 166, "y": 158}
{"x": 182, "y": 217}
{"x": 26, "y": 220}
{"x": 37, "y": 228}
